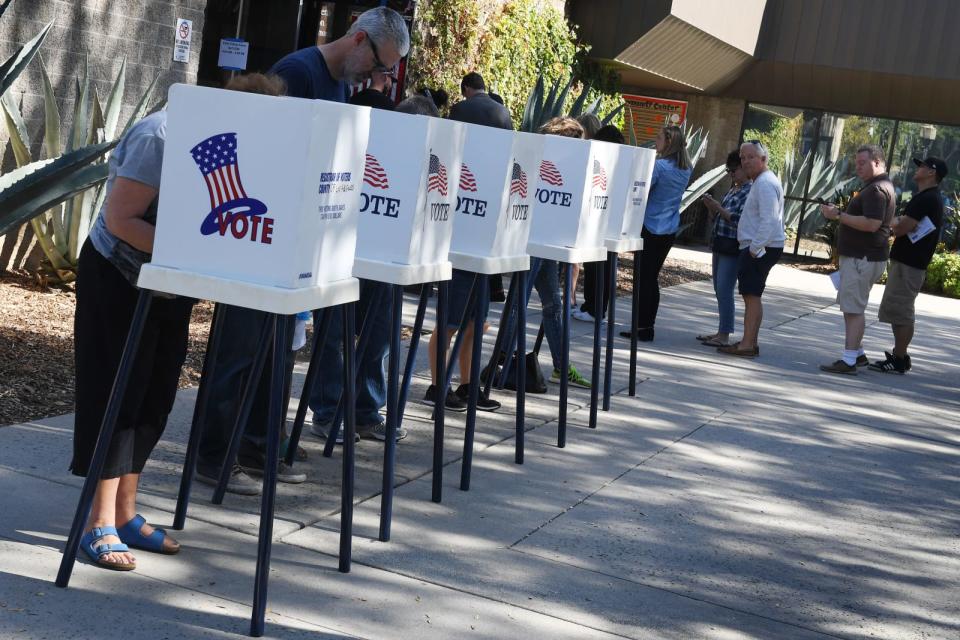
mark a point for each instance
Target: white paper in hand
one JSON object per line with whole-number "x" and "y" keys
{"x": 923, "y": 229}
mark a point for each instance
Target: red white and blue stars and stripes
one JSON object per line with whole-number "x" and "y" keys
{"x": 550, "y": 174}
{"x": 217, "y": 159}
{"x": 599, "y": 176}
{"x": 436, "y": 176}
{"x": 374, "y": 174}
{"x": 518, "y": 181}
{"x": 468, "y": 181}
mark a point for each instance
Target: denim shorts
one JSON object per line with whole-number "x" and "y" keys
{"x": 458, "y": 298}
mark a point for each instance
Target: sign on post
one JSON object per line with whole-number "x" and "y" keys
{"x": 265, "y": 191}
{"x": 233, "y": 54}
{"x": 648, "y": 115}
{"x": 495, "y": 200}
{"x": 181, "y": 40}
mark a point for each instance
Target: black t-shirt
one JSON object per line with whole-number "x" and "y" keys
{"x": 927, "y": 203}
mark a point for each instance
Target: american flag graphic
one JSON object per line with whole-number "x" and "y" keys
{"x": 550, "y": 174}
{"x": 468, "y": 181}
{"x": 599, "y": 176}
{"x": 217, "y": 159}
{"x": 518, "y": 181}
{"x": 436, "y": 176}
{"x": 374, "y": 174}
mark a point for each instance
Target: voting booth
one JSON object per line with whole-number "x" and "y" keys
{"x": 258, "y": 190}
{"x": 628, "y": 200}
{"x": 495, "y": 200}
{"x": 409, "y": 191}
{"x": 574, "y": 183}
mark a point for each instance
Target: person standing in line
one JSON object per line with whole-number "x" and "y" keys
{"x": 376, "y": 41}
{"x": 917, "y": 232}
{"x": 863, "y": 244}
{"x": 595, "y": 302}
{"x": 761, "y": 235}
{"x": 726, "y": 248}
{"x": 671, "y": 175}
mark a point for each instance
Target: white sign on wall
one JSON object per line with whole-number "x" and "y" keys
{"x": 181, "y": 40}
{"x": 233, "y": 54}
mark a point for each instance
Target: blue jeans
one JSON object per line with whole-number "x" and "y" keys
{"x": 371, "y": 376}
{"x": 724, "y": 282}
{"x": 544, "y": 276}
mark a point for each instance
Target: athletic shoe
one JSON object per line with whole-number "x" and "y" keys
{"x": 892, "y": 364}
{"x": 643, "y": 335}
{"x": 573, "y": 377}
{"x": 379, "y": 432}
{"x": 463, "y": 392}
{"x": 240, "y": 483}
{"x": 453, "y": 403}
{"x": 862, "y": 360}
{"x": 839, "y": 366}
{"x": 285, "y": 473}
{"x": 583, "y": 316}
{"x": 321, "y": 429}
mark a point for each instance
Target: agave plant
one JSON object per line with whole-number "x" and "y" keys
{"x": 540, "y": 109}
{"x": 825, "y": 180}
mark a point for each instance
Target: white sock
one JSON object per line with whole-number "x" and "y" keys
{"x": 861, "y": 352}
{"x": 850, "y": 356}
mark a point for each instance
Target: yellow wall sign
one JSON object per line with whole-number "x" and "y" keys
{"x": 647, "y": 115}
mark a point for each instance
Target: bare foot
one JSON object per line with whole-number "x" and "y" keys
{"x": 115, "y": 557}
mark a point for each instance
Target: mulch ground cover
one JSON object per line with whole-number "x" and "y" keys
{"x": 36, "y": 340}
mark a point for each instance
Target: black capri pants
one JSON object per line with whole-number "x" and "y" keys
{"x": 105, "y": 305}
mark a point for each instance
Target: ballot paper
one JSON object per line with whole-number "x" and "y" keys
{"x": 923, "y": 229}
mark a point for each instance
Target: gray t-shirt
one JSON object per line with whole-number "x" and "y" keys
{"x": 139, "y": 157}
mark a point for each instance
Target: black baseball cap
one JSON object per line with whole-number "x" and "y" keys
{"x": 936, "y": 164}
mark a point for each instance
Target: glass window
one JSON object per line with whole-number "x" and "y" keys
{"x": 918, "y": 140}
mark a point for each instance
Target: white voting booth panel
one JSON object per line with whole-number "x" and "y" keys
{"x": 572, "y": 200}
{"x": 278, "y": 236}
{"x": 406, "y": 204}
{"x": 628, "y": 200}
{"x": 495, "y": 199}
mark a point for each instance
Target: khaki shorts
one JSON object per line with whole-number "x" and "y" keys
{"x": 903, "y": 285}
{"x": 857, "y": 277}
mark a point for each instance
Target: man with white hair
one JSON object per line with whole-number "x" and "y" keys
{"x": 863, "y": 233}
{"x": 761, "y": 237}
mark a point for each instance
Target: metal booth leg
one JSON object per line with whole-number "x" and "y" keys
{"x": 611, "y": 322}
{"x": 443, "y": 289}
{"x": 504, "y": 338}
{"x": 564, "y": 358}
{"x": 595, "y": 374}
{"x": 521, "y": 316}
{"x": 393, "y": 402}
{"x": 349, "y": 446}
{"x": 634, "y": 319}
{"x": 246, "y": 405}
{"x": 276, "y": 413}
{"x": 106, "y": 434}
{"x": 199, "y": 417}
{"x": 412, "y": 352}
{"x": 482, "y": 293}
{"x": 322, "y": 320}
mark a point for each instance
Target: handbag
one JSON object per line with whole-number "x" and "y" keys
{"x": 726, "y": 246}
{"x": 535, "y": 382}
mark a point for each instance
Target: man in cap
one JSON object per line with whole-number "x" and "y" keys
{"x": 917, "y": 232}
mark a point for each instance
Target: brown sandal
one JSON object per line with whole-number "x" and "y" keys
{"x": 735, "y": 350}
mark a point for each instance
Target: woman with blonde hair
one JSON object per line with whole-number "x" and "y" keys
{"x": 671, "y": 175}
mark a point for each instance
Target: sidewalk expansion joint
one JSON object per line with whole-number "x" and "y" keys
{"x": 618, "y": 477}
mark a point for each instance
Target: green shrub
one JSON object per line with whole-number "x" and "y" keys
{"x": 943, "y": 275}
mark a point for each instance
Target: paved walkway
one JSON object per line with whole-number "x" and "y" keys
{"x": 730, "y": 499}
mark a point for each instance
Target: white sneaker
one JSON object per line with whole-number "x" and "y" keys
{"x": 583, "y": 316}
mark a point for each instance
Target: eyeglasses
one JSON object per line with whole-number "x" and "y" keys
{"x": 382, "y": 68}
{"x": 732, "y": 170}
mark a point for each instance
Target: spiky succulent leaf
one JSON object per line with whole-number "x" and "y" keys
{"x": 13, "y": 66}
{"x": 19, "y": 138}
{"x": 51, "y": 115}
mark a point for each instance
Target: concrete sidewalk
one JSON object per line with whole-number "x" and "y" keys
{"x": 730, "y": 499}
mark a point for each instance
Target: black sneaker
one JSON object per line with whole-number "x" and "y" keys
{"x": 285, "y": 474}
{"x": 643, "y": 335}
{"x": 453, "y": 403}
{"x": 240, "y": 483}
{"x": 907, "y": 364}
{"x": 839, "y": 366}
{"x": 463, "y": 392}
{"x": 892, "y": 364}
{"x": 379, "y": 432}
{"x": 862, "y": 360}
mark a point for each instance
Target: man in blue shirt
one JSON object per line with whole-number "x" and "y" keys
{"x": 376, "y": 41}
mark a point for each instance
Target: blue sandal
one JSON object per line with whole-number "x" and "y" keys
{"x": 130, "y": 534}
{"x": 96, "y": 552}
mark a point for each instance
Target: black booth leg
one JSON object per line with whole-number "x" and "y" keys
{"x": 246, "y": 405}
{"x": 321, "y": 320}
{"x": 443, "y": 289}
{"x": 502, "y": 343}
{"x": 481, "y": 292}
{"x": 199, "y": 418}
{"x": 634, "y": 320}
{"x": 103, "y": 440}
{"x": 412, "y": 352}
{"x": 521, "y": 315}
{"x": 276, "y": 412}
{"x": 349, "y": 446}
{"x": 393, "y": 406}
{"x": 611, "y": 322}
{"x": 564, "y": 358}
{"x": 595, "y": 374}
